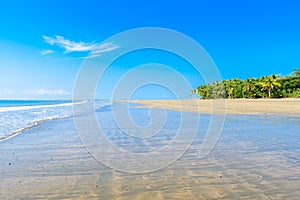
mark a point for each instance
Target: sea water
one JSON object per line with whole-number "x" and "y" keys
{"x": 19, "y": 115}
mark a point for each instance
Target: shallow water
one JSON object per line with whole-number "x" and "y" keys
{"x": 19, "y": 115}
{"x": 256, "y": 157}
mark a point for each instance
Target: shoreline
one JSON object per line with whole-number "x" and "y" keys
{"x": 285, "y": 106}
{"x": 251, "y": 159}
{"x": 13, "y": 134}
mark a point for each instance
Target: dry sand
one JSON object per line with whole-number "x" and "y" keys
{"x": 289, "y": 106}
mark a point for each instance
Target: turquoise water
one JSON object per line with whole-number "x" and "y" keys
{"x": 12, "y": 103}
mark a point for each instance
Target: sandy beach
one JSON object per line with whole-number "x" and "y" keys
{"x": 289, "y": 106}
{"x": 149, "y": 100}
{"x": 257, "y": 157}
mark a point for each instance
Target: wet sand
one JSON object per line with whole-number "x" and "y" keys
{"x": 289, "y": 106}
{"x": 257, "y": 157}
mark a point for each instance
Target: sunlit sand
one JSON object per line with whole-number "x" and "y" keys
{"x": 229, "y": 106}
{"x": 256, "y": 158}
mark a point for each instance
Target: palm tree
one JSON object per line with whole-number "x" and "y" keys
{"x": 229, "y": 88}
{"x": 269, "y": 83}
{"x": 203, "y": 91}
{"x": 297, "y": 72}
{"x": 193, "y": 92}
{"x": 274, "y": 85}
{"x": 238, "y": 91}
{"x": 294, "y": 85}
{"x": 249, "y": 87}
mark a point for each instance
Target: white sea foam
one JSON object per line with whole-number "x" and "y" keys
{"x": 15, "y": 119}
{"x": 15, "y": 108}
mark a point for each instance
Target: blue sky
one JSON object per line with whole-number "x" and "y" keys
{"x": 43, "y": 43}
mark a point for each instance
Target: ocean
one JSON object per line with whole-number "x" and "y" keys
{"x": 19, "y": 115}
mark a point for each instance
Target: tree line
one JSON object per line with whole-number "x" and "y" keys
{"x": 273, "y": 86}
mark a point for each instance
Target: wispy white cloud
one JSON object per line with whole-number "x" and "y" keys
{"x": 46, "y": 52}
{"x": 68, "y": 45}
{"x": 99, "y": 49}
{"x": 71, "y": 46}
{"x": 35, "y": 94}
{"x": 7, "y": 92}
{"x": 41, "y": 92}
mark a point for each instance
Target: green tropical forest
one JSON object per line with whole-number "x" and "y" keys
{"x": 273, "y": 86}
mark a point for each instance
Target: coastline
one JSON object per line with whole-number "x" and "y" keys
{"x": 13, "y": 134}
{"x": 287, "y": 106}
{"x": 255, "y": 156}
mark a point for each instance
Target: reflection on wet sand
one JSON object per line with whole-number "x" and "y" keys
{"x": 257, "y": 157}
